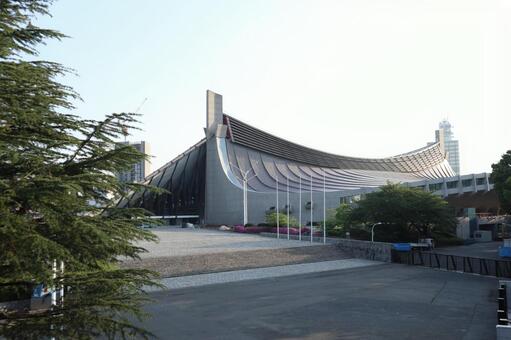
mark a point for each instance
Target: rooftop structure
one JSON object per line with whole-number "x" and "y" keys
{"x": 237, "y": 164}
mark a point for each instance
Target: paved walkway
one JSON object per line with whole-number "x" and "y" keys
{"x": 386, "y": 301}
{"x": 487, "y": 250}
{"x": 263, "y": 273}
{"x": 181, "y": 242}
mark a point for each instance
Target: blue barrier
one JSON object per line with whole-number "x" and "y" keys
{"x": 505, "y": 251}
{"x": 402, "y": 246}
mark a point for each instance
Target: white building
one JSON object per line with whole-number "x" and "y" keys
{"x": 139, "y": 170}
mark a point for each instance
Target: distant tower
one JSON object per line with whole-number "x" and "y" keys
{"x": 139, "y": 170}
{"x": 449, "y": 145}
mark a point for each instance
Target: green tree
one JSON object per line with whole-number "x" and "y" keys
{"x": 404, "y": 211}
{"x": 501, "y": 176}
{"x": 342, "y": 215}
{"x": 58, "y": 197}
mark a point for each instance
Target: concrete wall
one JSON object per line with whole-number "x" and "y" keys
{"x": 224, "y": 200}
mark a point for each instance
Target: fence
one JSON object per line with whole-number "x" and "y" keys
{"x": 502, "y": 318}
{"x": 465, "y": 264}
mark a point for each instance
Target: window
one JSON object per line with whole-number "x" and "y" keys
{"x": 466, "y": 182}
{"x": 435, "y": 186}
{"x": 481, "y": 181}
{"x": 452, "y": 185}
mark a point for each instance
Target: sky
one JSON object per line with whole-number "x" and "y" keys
{"x": 363, "y": 78}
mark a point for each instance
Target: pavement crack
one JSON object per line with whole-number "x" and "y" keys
{"x": 438, "y": 293}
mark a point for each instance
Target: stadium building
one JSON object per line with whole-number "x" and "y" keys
{"x": 237, "y": 164}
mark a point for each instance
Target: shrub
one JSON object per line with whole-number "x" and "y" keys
{"x": 271, "y": 219}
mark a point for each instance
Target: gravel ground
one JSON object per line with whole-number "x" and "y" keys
{"x": 180, "y": 242}
{"x": 173, "y": 266}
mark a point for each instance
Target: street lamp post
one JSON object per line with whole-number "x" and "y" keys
{"x": 372, "y": 230}
{"x": 244, "y": 178}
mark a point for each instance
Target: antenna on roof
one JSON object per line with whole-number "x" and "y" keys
{"x": 141, "y": 104}
{"x": 125, "y": 129}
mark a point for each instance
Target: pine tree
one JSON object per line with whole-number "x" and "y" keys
{"x": 58, "y": 197}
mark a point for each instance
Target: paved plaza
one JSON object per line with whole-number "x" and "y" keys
{"x": 387, "y": 301}
{"x": 223, "y": 285}
{"x": 184, "y": 241}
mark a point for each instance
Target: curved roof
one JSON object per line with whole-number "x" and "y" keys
{"x": 416, "y": 161}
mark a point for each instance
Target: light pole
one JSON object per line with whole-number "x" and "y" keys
{"x": 311, "y": 229}
{"x": 372, "y": 230}
{"x": 300, "y": 209}
{"x": 324, "y": 207}
{"x": 277, "y": 205}
{"x": 244, "y": 178}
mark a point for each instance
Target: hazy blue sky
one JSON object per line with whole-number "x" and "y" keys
{"x": 367, "y": 78}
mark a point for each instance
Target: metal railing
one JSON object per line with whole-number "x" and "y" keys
{"x": 502, "y": 318}
{"x": 465, "y": 264}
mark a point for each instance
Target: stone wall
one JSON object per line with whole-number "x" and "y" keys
{"x": 378, "y": 251}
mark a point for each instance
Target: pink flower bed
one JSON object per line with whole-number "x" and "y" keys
{"x": 283, "y": 230}
{"x": 239, "y": 229}
{"x": 250, "y": 230}
{"x": 256, "y": 230}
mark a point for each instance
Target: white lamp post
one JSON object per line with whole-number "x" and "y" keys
{"x": 287, "y": 205}
{"x": 324, "y": 207}
{"x": 244, "y": 178}
{"x": 277, "y": 205}
{"x": 312, "y": 228}
{"x": 300, "y": 209}
{"x": 372, "y": 230}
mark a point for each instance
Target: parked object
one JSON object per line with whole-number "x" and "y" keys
{"x": 429, "y": 241}
{"x": 483, "y": 236}
{"x": 224, "y": 228}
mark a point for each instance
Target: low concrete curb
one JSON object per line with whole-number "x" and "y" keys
{"x": 260, "y": 273}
